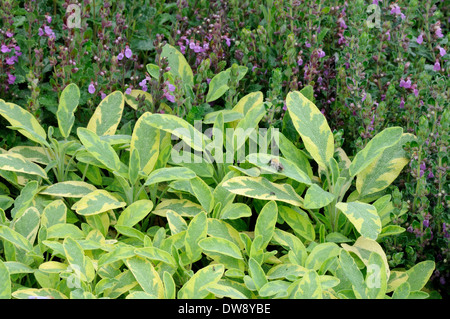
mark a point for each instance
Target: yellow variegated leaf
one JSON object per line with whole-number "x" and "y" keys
{"x": 261, "y": 188}
{"x": 245, "y": 104}
{"x": 132, "y": 98}
{"x": 312, "y": 126}
{"x": 196, "y": 286}
{"x": 97, "y": 202}
{"x": 145, "y": 141}
{"x": 35, "y": 154}
{"x": 383, "y": 170}
{"x": 386, "y": 138}
{"x": 17, "y": 163}
{"x": 68, "y": 103}
{"x": 107, "y": 115}
{"x": 146, "y": 276}
{"x": 43, "y": 293}
{"x": 363, "y": 216}
{"x": 178, "y": 64}
{"x": 24, "y": 122}
{"x": 183, "y": 207}
{"x": 73, "y": 189}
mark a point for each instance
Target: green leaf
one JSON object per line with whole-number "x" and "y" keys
{"x": 300, "y": 224}
{"x": 386, "y": 138}
{"x": 245, "y": 128}
{"x": 183, "y": 207}
{"x": 376, "y": 277}
{"x": 287, "y": 168}
{"x": 320, "y": 254}
{"x": 312, "y": 126}
{"x": 363, "y": 216}
{"x": 196, "y": 231}
{"x": 72, "y": 189}
{"x": 197, "y": 286}
{"x": 236, "y": 211}
{"x": 135, "y": 212}
{"x": 265, "y": 223}
{"x": 102, "y": 151}
{"x": 257, "y": 274}
{"x": 64, "y": 230}
{"x": 261, "y": 188}
{"x": 402, "y": 291}
{"x": 203, "y": 193}
{"x": 28, "y": 224}
{"x": 44, "y": 293}
{"x": 24, "y": 122}
{"x": 15, "y": 238}
{"x": 118, "y": 253}
{"x": 146, "y": 276}
{"x": 132, "y": 98}
{"x": 297, "y": 249}
{"x": 36, "y": 154}
{"x": 178, "y": 64}
{"x": 419, "y": 275}
{"x": 68, "y": 103}
{"x": 107, "y": 115}
{"x": 221, "y": 246}
{"x": 353, "y": 274}
{"x": 275, "y": 289}
{"x": 228, "y": 116}
{"x": 219, "y": 83}
{"x": 308, "y": 287}
{"x": 180, "y": 128}
{"x": 384, "y": 169}
{"x": 97, "y": 202}
{"x": 156, "y": 254}
{"x": 166, "y": 174}
{"x": 5, "y": 282}
{"x": 145, "y": 142}
{"x": 81, "y": 266}
{"x": 222, "y": 291}
{"x": 316, "y": 197}
{"x": 17, "y": 163}
{"x": 288, "y": 271}
{"x": 391, "y": 230}
{"x": 177, "y": 223}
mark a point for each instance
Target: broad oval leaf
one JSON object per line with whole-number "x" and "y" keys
{"x": 363, "y": 216}
{"x": 316, "y": 197}
{"x": 419, "y": 275}
{"x": 235, "y": 211}
{"x": 300, "y": 224}
{"x": 386, "y": 138}
{"x": 68, "y": 103}
{"x": 145, "y": 141}
{"x": 97, "y": 202}
{"x": 261, "y": 188}
{"x": 167, "y": 174}
{"x": 132, "y": 98}
{"x": 219, "y": 83}
{"x": 178, "y": 64}
{"x": 320, "y": 254}
{"x": 135, "y": 212}
{"x": 146, "y": 276}
{"x": 15, "y": 238}
{"x": 265, "y": 223}
{"x": 203, "y": 193}
{"x": 107, "y": 115}
{"x": 17, "y": 163}
{"x": 43, "y": 293}
{"x": 72, "y": 189}
{"x": 183, "y": 207}
{"x": 5, "y": 282}
{"x": 24, "y": 122}
{"x": 308, "y": 287}
{"x": 196, "y": 231}
{"x": 81, "y": 265}
{"x": 196, "y": 287}
{"x": 312, "y": 126}
{"x": 221, "y": 246}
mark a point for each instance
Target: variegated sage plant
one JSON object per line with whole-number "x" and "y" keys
{"x": 135, "y": 216}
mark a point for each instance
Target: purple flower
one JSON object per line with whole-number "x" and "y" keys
{"x": 307, "y": 44}
{"x": 416, "y": 92}
{"x": 364, "y": 97}
{"x": 40, "y": 32}
{"x": 5, "y": 49}
{"x": 426, "y": 223}
{"x": 402, "y": 103}
{"x": 128, "y": 91}
{"x": 91, "y": 88}
{"x": 431, "y": 175}
{"x": 103, "y": 95}
{"x": 376, "y": 2}
{"x": 143, "y": 85}
{"x": 405, "y": 84}
{"x": 437, "y": 66}
{"x": 300, "y": 62}
{"x": 396, "y": 10}
{"x": 171, "y": 87}
{"x": 420, "y": 38}
{"x": 438, "y": 32}
{"x": 388, "y": 33}
{"x": 11, "y": 78}
{"x": 442, "y": 51}
{"x": 321, "y": 53}
{"x": 9, "y": 34}
{"x": 49, "y": 32}
{"x": 120, "y": 56}
{"x": 284, "y": 106}
{"x": 49, "y": 19}
{"x": 128, "y": 52}
{"x": 11, "y": 60}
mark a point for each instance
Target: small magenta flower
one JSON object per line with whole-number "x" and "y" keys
{"x": 437, "y": 66}
{"x": 402, "y": 103}
{"x": 91, "y": 88}
{"x": 416, "y": 92}
{"x": 128, "y": 90}
{"x": 143, "y": 85}
{"x": 49, "y": 19}
{"x": 442, "y": 51}
{"x": 9, "y": 34}
{"x": 426, "y": 223}
{"x": 120, "y": 56}
{"x": 171, "y": 87}
{"x": 405, "y": 84}
{"x": 11, "y": 60}
{"x": 299, "y": 61}
{"x": 388, "y": 33}
{"x": 438, "y": 32}
{"x": 103, "y": 95}
{"x": 128, "y": 52}
{"x": 321, "y": 53}
{"x": 419, "y": 39}
{"x": 40, "y": 32}
{"x": 11, "y": 78}
{"x": 5, "y": 49}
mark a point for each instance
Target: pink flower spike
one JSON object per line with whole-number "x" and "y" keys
{"x": 5, "y": 49}
{"x": 420, "y": 39}
{"x": 91, "y": 88}
{"x": 128, "y": 52}
{"x": 437, "y": 66}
